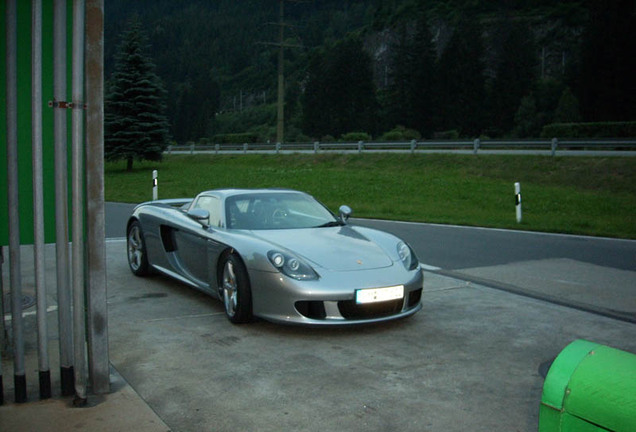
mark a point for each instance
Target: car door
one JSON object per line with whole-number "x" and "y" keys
{"x": 193, "y": 242}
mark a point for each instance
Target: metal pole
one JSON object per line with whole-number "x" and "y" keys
{"x": 2, "y": 328}
{"x": 65, "y": 327}
{"x": 38, "y": 197}
{"x": 12, "y": 202}
{"x": 280, "y": 124}
{"x": 99, "y": 367}
{"x": 77, "y": 200}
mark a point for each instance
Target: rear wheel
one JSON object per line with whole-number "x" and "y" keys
{"x": 235, "y": 290}
{"x": 136, "y": 245}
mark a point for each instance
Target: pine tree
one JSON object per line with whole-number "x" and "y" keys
{"x": 135, "y": 124}
{"x": 526, "y": 119}
{"x": 411, "y": 96}
{"x": 568, "y": 109}
{"x": 608, "y": 65}
{"x": 462, "y": 90}
{"x": 339, "y": 95}
{"x": 515, "y": 75}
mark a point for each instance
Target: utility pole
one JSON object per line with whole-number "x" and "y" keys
{"x": 280, "y": 117}
{"x": 281, "y": 45}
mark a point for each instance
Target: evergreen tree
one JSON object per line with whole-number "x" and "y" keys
{"x": 608, "y": 64}
{"x": 568, "y": 108}
{"x": 424, "y": 79}
{"x": 515, "y": 75}
{"x": 461, "y": 88}
{"x": 526, "y": 120}
{"x": 340, "y": 93}
{"x": 411, "y": 94}
{"x": 134, "y": 119}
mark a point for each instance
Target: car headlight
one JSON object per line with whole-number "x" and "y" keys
{"x": 407, "y": 256}
{"x": 291, "y": 266}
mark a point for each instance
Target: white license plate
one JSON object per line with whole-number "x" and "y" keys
{"x": 375, "y": 295}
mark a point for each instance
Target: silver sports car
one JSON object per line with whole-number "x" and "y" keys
{"x": 276, "y": 254}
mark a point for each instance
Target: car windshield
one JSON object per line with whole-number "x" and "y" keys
{"x": 284, "y": 210}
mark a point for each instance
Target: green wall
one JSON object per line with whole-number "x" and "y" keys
{"x": 24, "y": 120}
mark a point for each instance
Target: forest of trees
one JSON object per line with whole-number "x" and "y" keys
{"x": 452, "y": 68}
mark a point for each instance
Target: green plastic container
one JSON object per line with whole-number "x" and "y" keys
{"x": 590, "y": 387}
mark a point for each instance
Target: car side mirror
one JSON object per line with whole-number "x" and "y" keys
{"x": 345, "y": 212}
{"x": 200, "y": 215}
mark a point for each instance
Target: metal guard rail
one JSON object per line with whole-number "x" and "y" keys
{"x": 617, "y": 147}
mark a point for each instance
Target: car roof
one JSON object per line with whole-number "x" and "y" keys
{"x": 224, "y": 193}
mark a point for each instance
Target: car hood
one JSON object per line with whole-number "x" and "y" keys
{"x": 334, "y": 248}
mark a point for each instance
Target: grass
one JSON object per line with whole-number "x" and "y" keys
{"x": 577, "y": 195}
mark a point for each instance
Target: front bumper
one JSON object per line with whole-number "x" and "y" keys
{"x": 331, "y": 299}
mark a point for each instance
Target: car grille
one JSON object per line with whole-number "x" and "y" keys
{"x": 349, "y": 309}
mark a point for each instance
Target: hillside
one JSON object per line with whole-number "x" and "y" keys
{"x": 219, "y": 64}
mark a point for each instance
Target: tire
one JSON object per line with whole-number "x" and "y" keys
{"x": 235, "y": 291}
{"x": 136, "y": 247}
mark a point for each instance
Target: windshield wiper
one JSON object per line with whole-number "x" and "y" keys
{"x": 330, "y": 224}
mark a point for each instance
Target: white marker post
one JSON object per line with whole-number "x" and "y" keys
{"x": 518, "y": 201}
{"x": 155, "y": 187}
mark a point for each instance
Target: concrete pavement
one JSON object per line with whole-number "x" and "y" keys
{"x": 469, "y": 361}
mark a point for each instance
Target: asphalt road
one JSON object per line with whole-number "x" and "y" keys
{"x": 456, "y": 247}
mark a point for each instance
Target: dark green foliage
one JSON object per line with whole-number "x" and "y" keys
{"x": 428, "y": 65}
{"x": 568, "y": 109}
{"x": 590, "y": 130}
{"x": 340, "y": 94}
{"x": 606, "y": 87}
{"x": 526, "y": 122}
{"x": 412, "y": 97}
{"x": 134, "y": 120}
{"x": 355, "y": 136}
{"x": 515, "y": 75}
{"x": 461, "y": 88}
{"x": 236, "y": 138}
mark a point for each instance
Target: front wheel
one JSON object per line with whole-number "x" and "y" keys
{"x": 236, "y": 293}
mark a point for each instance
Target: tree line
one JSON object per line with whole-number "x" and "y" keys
{"x": 432, "y": 68}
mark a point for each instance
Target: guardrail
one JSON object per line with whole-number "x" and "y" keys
{"x": 553, "y": 147}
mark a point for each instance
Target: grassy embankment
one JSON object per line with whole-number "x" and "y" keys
{"x": 580, "y": 195}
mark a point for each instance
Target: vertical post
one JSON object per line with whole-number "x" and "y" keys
{"x": 99, "y": 368}
{"x": 155, "y": 186}
{"x": 360, "y": 146}
{"x": 2, "y": 329}
{"x": 316, "y": 147}
{"x": 518, "y": 201}
{"x": 476, "y": 145}
{"x": 13, "y": 210}
{"x": 77, "y": 171}
{"x": 413, "y": 145}
{"x": 280, "y": 115}
{"x": 65, "y": 327}
{"x": 555, "y": 143}
{"x": 38, "y": 197}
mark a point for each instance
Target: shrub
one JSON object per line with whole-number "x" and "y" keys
{"x": 236, "y": 138}
{"x": 449, "y": 134}
{"x": 590, "y": 130}
{"x": 355, "y": 136}
{"x": 400, "y": 133}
